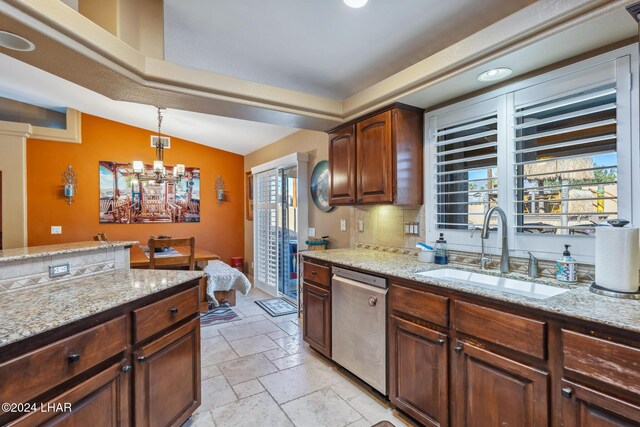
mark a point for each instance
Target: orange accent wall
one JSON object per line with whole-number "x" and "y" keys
{"x": 220, "y": 228}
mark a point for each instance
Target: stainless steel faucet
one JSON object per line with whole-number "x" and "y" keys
{"x": 504, "y": 258}
{"x": 484, "y": 259}
{"x": 533, "y": 266}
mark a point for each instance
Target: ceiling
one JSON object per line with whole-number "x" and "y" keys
{"x": 26, "y": 83}
{"x": 320, "y": 47}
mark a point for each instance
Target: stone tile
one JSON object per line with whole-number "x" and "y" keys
{"x": 210, "y": 371}
{"x": 247, "y": 368}
{"x": 375, "y": 411}
{"x": 284, "y": 319}
{"x": 323, "y": 408}
{"x": 216, "y": 350}
{"x": 237, "y": 332}
{"x": 276, "y": 353}
{"x": 290, "y": 328}
{"x": 362, "y": 422}
{"x": 278, "y": 334}
{"x": 297, "y": 381}
{"x": 292, "y": 344}
{"x": 248, "y": 318}
{"x": 292, "y": 360}
{"x": 209, "y": 332}
{"x": 216, "y": 392}
{"x": 252, "y": 309}
{"x": 347, "y": 390}
{"x": 200, "y": 419}
{"x": 248, "y": 388}
{"x": 253, "y": 345}
{"x": 258, "y": 410}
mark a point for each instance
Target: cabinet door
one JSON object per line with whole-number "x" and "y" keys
{"x": 342, "y": 166}
{"x": 584, "y": 407}
{"x": 418, "y": 371}
{"x": 491, "y": 390}
{"x": 374, "y": 154}
{"x": 100, "y": 401}
{"x": 317, "y": 318}
{"x": 167, "y": 377}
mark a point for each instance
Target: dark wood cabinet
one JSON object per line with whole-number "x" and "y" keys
{"x": 342, "y": 166}
{"x": 373, "y": 159}
{"x": 101, "y": 401}
{"x": 492, "y": 390}
{"x": 316, "y": 330}
{"x": 585, "y": 407}
{"x": 418, "y": 371}
{"x": 378, "y": 158}
{"x": 167, "y": 377}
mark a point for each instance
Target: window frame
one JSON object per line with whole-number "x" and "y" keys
{"x": 625, "y": 63}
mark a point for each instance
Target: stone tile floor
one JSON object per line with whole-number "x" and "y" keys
{"x": 257, "y": 371}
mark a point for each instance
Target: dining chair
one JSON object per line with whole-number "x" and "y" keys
{"x": 100, "y": 237}
{"x": 177, "y": 261}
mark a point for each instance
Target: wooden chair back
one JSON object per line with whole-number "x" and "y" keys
{"x": 100, "y": 237}
{"x": 178, "y": 261}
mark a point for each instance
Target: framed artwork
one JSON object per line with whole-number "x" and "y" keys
{"x": 125, "y": 200}
{"x": 249, "y": 201}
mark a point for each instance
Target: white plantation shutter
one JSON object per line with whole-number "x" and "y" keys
{"x": 266, "y": 228}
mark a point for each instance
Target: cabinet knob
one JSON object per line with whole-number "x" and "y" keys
{"x": 142, "y": 358}
{"x": 458, "y": 349}
{"x": 73, "y": 358}
{"x": 440, "y": 342}
{"x": 126, "y": 368}
{"x": 173, "y": 310}
{"x": 313, "y": 272}
{"x": 567, "y": 392}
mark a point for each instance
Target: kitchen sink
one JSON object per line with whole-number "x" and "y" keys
{"x": 502, "y": 284}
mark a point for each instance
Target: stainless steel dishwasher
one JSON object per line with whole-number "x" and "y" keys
{"x": 358, "y": 325}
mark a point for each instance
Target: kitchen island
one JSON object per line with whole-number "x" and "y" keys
{"x": 120, "y": 346}
{"x": 465, "y": 355}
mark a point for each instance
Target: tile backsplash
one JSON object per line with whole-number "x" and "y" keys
{"x": 383, "y": 228}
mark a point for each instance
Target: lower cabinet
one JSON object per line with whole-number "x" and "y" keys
{"x": 316, "y": 301}
{"x": 102, "y": 400}
{"x": 167, "y": 377}
{"x": 585, "y": 407}
{"x": 491, "y": 390}
{"x": 418, "y": 371}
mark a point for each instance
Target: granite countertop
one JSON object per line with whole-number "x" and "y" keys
{"x": 63, "y": 248}
{"x": 24, "y": 314}
{"x": 578, "y": 302}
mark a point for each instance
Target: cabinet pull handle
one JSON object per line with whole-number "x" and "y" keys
{"x": 126, "y": 368}
{"x": 73, "y": 358}
{"x": 173, "y": 310}
{"x": 142, "y": 358}
{"x": 440, "y": 342}
{"x": 313, "y": 272}
{"x": 458, "y": 349}
{"x": 567, "y": 392}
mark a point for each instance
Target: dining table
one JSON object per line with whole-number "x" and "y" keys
{"x": 139, "y": 259}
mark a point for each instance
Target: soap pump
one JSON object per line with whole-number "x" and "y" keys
{"x": 442, "y": 254}
{"x": 566, "y": 267}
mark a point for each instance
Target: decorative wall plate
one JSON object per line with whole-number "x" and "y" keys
{"x": 319, "y": 186}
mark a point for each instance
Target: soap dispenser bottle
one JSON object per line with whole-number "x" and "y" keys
{"x": 566, "y": 267}
{"x": 442, "y": 253}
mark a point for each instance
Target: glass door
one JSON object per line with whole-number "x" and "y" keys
{"x": 287, "y": 218}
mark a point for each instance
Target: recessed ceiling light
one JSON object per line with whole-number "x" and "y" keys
{"x": 15, "y": 42}
{"x": 495, "y": 74}
{"x": 356, "y": 4}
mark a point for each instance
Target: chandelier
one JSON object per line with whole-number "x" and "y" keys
{"x": 158, "y": 174}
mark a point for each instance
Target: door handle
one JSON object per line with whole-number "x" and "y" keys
{"x": 373, "y": 301}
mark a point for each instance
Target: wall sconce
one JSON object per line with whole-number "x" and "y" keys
{"x": 70, "y": 182}
{"x": 220, "y": 190}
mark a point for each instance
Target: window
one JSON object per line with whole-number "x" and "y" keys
{"x": 266, "y": 227}
{"x": 554, "y": 152}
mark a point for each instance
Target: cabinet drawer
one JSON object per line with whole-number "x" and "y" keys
{"x": 34, "y": 373}
{"x": 517, "y": 333}
{"x": 610, "y": 362}
{"x": 158, "y": 316}
{"x": 317, "y": 273}
{"x": 423, "y": 305}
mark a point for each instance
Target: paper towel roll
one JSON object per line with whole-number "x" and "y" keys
{"x": 617, "y": 258}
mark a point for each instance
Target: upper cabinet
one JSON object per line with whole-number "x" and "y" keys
{"x": 378, "y": 158}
